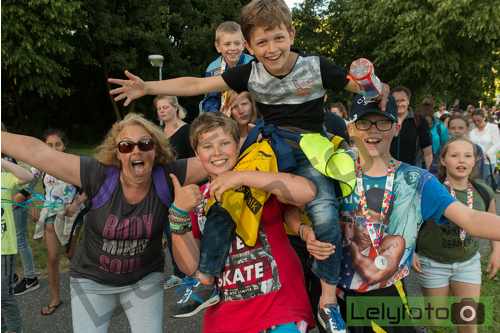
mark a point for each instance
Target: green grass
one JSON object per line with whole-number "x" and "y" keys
{"x": 39, "y": 249}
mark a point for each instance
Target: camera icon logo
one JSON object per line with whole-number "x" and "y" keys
{"x": 467, "y": 312}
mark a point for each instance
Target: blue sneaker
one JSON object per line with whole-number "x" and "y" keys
{"x": 329, "y": 317}
{"x": 198, "y": 296}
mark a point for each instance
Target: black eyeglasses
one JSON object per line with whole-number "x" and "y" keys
{"x": 126, "y": 147}
{"x": 382, "y": 125}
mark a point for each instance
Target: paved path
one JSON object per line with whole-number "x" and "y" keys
{"x": 60, "y": 322}
{"x": 32, "y": 303}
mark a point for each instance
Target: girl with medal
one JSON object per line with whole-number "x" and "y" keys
{"x": 448, "y": 256}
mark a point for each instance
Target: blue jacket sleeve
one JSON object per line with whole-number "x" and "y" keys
{"x": 435, "y": 161}
{"x": 211, "y": 103}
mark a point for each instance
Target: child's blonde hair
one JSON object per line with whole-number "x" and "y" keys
{"x": 265, "y": 14}
{"x": 441, "y": 174}
{"x": 228, "y": 27}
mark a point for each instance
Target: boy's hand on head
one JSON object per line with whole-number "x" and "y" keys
{"x": 186, "y": 197}
{"x": 384, "y": 96}
{"x": 229, "y": 180}
{"x": 130, "y": 89}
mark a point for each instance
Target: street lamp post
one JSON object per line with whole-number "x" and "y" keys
{"x": 156, "y": 60}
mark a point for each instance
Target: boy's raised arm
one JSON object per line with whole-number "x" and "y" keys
{"x": 23, "y": 175}
{"x": 135, "y": 87}
{"x": 477, "y": 224}
{"x": 288, "y": 188}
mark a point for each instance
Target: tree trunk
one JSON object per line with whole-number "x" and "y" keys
{"x": 108, "y": 85}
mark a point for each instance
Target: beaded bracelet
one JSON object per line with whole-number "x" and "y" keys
{"x": 181, "y": 231}
{"x": 301, "y": 230}
{"x": 173, "y": 212}
{"x": 177, "y": 221}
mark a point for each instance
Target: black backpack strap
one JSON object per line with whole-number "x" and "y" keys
{"x": 78, "y": 218}
{"x": 483, "y": 193}
{"x": 416, "y": 119}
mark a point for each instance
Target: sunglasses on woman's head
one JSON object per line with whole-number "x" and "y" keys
{"x": 126, "y": 147}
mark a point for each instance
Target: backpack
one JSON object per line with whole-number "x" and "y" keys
{"x": 483, "y": 193}
{"x": 108, "y": 187}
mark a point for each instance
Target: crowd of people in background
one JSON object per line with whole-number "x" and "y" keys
{"x": 294, "y": 242}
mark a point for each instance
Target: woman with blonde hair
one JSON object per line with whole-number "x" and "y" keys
{"x": 176, "y": 130}
{"x": 119, "y": 257}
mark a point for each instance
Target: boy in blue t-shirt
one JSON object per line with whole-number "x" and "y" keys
{"x": 288, "y": 87}
{"x": 229, "y": 43}
{"x": 386, "y": 210}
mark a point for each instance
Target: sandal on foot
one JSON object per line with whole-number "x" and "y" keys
{"x": 54, "y": 307}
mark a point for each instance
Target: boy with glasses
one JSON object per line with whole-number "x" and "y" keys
{"x": 407, "y": 196}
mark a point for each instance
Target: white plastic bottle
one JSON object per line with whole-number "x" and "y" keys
{"x": 363, "y": 73}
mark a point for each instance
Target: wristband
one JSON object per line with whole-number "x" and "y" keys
{"x": 301, "y": 231}
{"x": 25, "y": 193}
{"x": 178, "y": 210}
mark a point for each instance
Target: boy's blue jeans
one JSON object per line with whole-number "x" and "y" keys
{"x": 323, "y": 212}
{"x": 21, "y": 222}
{"x": 11, "y": 317}
{"x": 215, "y": 243}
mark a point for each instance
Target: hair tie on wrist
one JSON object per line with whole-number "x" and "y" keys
{"x": 177, "y": 209}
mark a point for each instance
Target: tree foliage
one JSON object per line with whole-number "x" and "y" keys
{"x": 431, "y": 46}
{"x": 36, "y": 46}
{"x": 58, "y": 54}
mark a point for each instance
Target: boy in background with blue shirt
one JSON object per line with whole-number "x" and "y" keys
{"x": 229, "y": 43}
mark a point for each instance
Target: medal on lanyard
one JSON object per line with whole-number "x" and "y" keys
{"x": 470, "y": 204}
{"x": 201, "y": 209}
{"x": 380, "y": 261}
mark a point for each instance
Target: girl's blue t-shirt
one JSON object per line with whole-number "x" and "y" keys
{"x": 416, "y": 196}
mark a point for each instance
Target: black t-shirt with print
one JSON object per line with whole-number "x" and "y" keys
{"x": 121, "y": 242}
